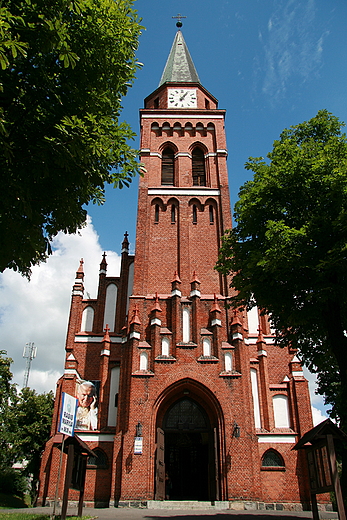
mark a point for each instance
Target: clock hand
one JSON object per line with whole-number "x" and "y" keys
{"x": 184, "y": 95}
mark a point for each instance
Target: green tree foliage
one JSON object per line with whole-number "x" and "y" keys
{"x": 64, "y": 66}
{"x": 288, "y": 252}
{"x": 25, "y": 423}
{"x": 7, "y": 397}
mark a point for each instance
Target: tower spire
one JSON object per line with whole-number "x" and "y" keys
{"x": 179, "y": 67}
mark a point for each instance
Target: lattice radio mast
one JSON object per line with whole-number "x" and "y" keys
{"x": 29, "y": 353}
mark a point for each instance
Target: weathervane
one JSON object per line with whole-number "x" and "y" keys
{"x": 179, "y": 18}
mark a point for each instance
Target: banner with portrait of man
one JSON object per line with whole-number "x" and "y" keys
{"x": 87, "y": 393}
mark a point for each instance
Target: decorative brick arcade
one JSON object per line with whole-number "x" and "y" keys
{"x": 193, "y": 401}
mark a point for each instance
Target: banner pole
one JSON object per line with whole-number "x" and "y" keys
{"x": 58, "y": 480}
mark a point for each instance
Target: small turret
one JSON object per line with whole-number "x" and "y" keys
{"x": 78, "y": 288}
{"x": 125, "y": 244}
{"x": 103, "y": 265}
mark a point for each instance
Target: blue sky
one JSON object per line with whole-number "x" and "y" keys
{"x": 270, "y": 63}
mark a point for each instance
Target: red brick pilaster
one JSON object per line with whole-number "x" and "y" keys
{"x": 155, "y": 325}
{"x": 195, "y": 296}
{"x": 104, "y": 379}
{"x": 176, "y": 296}
{"x": 264, "y": 383}
{"x": 216, "y": 325}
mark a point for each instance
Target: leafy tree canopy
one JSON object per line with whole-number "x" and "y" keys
{"x": 64, "y": 66}
{"x": 7, "y": 395}
{"x": 288, "y": 251}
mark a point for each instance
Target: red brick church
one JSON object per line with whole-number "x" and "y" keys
{"x": 184, "y": 399}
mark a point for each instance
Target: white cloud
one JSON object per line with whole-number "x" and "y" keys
{"x": 292, "y": 45}
{"x": 319, "y": 409}
{"x": 38, "y": 311}
{"x": 318, "y": 416}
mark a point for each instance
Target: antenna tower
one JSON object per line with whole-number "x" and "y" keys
{"x": 29, "y": 353}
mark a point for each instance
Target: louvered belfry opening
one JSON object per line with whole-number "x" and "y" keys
{"x": 168, "y": 167}
{"x": 198, "y": 167}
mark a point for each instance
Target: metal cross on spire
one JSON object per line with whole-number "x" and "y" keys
{"x": 179, "y": 18}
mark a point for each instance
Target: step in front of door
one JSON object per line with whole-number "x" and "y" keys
{"x": 186, "y": 505}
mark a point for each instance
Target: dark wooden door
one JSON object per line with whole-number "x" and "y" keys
{"x": 160, "y": 467}
{"x": 216, "y": 464}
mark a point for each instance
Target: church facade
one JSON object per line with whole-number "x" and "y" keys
{"x": 180, "y": 398}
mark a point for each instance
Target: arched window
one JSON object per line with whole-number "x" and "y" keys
{"x": 186, "y": 324}
{"x": 173, "y": 213}
{"x": 255, "y": 395}
{"x": 156, "y": 213}
{"x": 110, "y": 306}
{"x": 143, "y": 361}
{"x": 281, "y": 412}
{"x": 87, "y": 319}
{"x": 195, "y": 215}
{"x": 186, "y": 414}
{"x": 98, "y": 460}
{"x": 211, "y": 214}
{"x": 130, "y": 283}
{"x": 198, "y": 167}
{"x": 272, "y": 458}
{"x": 168, "y": 167}
{"x": 253, "y": 320}
{"x": 228, "y": 362}
{"x": 113, "y": 401}
{"x": 206, "y": 347}
{"x": 165, "y": 347}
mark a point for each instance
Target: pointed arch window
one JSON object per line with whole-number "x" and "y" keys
{"x": 272, "y": 459}
{"x": 198, "y": 167}
{"x": 168, "y": 167}
{"x": 110, "y": 306}
{"x": 98, "y": 460}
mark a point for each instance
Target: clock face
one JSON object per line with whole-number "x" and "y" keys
{"x": 182, "y": 98}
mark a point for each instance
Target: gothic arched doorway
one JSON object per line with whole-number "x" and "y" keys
{"x": 189, "y": 452}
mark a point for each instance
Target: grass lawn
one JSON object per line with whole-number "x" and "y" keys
{"x": 12, "y": 502}
{"x": 23, "y": 516}
{"x": 33, "y": 516}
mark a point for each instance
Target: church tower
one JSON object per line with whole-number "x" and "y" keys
{"x": 195, "y": 402}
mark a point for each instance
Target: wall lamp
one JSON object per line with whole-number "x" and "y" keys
{"x": 236, "y": 430}
{"x": 139, "y": 430}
